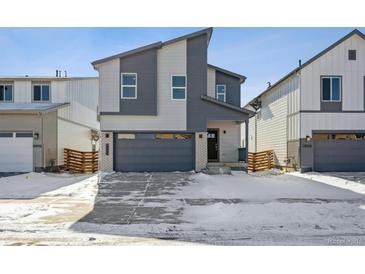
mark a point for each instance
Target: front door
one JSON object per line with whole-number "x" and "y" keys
{"x": 213, "y": 145}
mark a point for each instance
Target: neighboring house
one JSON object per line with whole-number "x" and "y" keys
{"x": 314, "y": 117}
{"x": 163, "y": 108}
{"x": 40, "y": 116}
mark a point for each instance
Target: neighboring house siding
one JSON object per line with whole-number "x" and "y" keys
{"x": 109, "y": 96}
{"x": 229, "y": 142}
{"x": 252, "y": 134}
{"x": 272, "y": 129}
{"x": 331, "y": 121}
{"x": 73, "y": 136}
{"x": 22, "y": 91}
{"x": 145, "y": 65}
{"x": 49, "y": 127}
{"x": 233, "y": 87}
{"x": 211, "y": 82}
{"x": 335, "y": 62}
{"x": 83, "y": 96}
{"x": 171, "y": 114}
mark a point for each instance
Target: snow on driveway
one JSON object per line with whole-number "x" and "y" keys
{"x": 177, "y": 208}
{"x": 231, "y": 210}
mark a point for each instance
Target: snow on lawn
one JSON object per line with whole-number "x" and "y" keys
{"x": 333, "y": 181}
{"x": 32, "y": 185}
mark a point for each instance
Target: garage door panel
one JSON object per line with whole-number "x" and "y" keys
{"x": 16, "y": 153}
{"x": 339, "y": 155}
{"x": 154, "y": 154}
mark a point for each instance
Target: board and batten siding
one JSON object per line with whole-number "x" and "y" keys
{"x": 82, "y": 94}
{"x": 171, "y": 114}
{"x": 211, "y": 82}
{"x": 335, "y": 62}
{"x": 109, "y": 85}
{"x": 22, "y": 91}
{"x": 272, "y": 122}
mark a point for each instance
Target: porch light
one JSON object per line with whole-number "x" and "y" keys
{"x": 308, "y": 138}
{"x": 36, "y": 136}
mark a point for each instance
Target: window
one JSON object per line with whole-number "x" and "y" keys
{"x": 221, "y": 93}
{"x": 127, "y": 136}
{"x": 178, "y": 87}
{"x": 6, "y": 93}
{"x": 41, "y": 92}
{"x": 163, "y": 136}
{"x": 129, "y": 85}
{"x": 331, "y": 89}
{"x": 352, "y": 54}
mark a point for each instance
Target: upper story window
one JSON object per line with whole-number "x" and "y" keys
{"x": 331, "y": 88}
{"x": 221, "y": 93}
{"x": 178, "y": 87}
{"x": 129, "y": 86}
{"x": 41, "y": 92}
{"x": 6, "y": 92}
{"x": 352, "y": 54}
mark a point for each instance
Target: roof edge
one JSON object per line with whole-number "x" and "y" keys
{"x": 230, "y": 106}
{"x": 159, "y": 44}
{"x": 234, "y": 74}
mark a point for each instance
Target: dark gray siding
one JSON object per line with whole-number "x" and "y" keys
{"x": 331, "y": 106}
{"x": 233, "y": 87}
{"x": 199, "y": 111}
{"x": 145, "y": 65}
{"x": 153, "y": 155}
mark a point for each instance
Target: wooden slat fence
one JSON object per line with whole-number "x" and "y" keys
{"x": 260, "y": 160}
{"x": 80, "y": 161}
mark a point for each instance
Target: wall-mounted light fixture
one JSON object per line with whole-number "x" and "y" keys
{"x": 308, "y": 138}
{"x": 224, "y": 132}
{"x": 200, "y": 136}
{"x": 36, "y": 136}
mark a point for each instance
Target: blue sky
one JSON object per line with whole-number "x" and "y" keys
{"x": 261, "y": 54}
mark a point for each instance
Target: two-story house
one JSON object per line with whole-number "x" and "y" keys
{"x": 163, "y": 108}
{"x": 314, "y": 117}
{"x": 40, "y": 116}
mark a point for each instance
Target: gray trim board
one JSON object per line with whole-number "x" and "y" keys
{"x": 297, "y": 69}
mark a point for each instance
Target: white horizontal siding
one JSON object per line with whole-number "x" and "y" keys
{"x": 171, "y": 114}
{"x": 211, "y": 82}
{"x": 252, "y": 134}
{"x": 335, "y": 62}
{"x": 331, "y": 121}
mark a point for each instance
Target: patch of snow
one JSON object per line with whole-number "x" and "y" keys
{"x": 332, "y": 180}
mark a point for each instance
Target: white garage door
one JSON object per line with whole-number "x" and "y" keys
{"x": 16, "y": 151}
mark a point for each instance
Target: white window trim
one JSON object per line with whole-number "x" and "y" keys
{"x": 12, "y": 92}
{"x": 220, "y": 93}
{"x": 172, "y": 87}
{"x": 130, "y": 86}
{"x": 41, "y": 84}
{"x": 330, "y": 100}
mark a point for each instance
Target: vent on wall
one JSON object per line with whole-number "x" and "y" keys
{"x": 352, "y": 54}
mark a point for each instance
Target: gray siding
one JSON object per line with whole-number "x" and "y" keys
{"x": 145, "y": 65}
{"x": 199, "y": 111}
{"x": 233, "y": 87}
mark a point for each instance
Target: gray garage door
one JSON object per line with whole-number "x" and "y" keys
{"x": 335, "y": 154}
{"x": 154, "y": 152}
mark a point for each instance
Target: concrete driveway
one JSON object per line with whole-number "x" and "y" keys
{"x": 237, "y": 209}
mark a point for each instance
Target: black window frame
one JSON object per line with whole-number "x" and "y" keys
{"x": 352, "y": 54}
{"x": 340, "y": 88}
{"x": 12, "y": 93}
{"x": 41, "y": 85}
